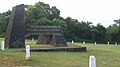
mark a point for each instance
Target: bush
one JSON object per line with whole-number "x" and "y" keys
{"x": 2, "y": 35}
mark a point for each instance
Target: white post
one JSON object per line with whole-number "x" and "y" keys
{"x": 2, "y": 45}
{"x": 33, "y": 39}
{"x": 116, "y": 43}
{"x": 27, "y": 52}
{"x": 83, "y": 42}
{"x": 108, "y": 43}
{"x": 95, "y": 43}
{"x": 72, "y": 41}
{"x": 92, "y": 61}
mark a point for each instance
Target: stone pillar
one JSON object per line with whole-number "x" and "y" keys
{"x": 15, "y": 34}
{"x": 58, "y": 40}
{"x": 44, "y": 39}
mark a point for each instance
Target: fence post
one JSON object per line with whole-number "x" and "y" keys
{"x": 27, "y": 52}
{"x": 92, "y": 61}
{"x": 83, "y": 42}
{"x": 72, "y": 41}
{"x": 33, "y": 39}
{"x": 95, "y": 43}
{"x": 116, "y": 43}
{"x": 108, "y": 43}
{"x": 2, "y": 45}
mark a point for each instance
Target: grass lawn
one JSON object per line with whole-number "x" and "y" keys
{"x": 106, "y": 56}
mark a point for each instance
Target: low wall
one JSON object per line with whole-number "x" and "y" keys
{"x": 78, "y": 49}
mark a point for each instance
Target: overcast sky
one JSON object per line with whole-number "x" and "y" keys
{"x": 96, "y": 11}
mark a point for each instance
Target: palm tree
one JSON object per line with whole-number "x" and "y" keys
{"x": 117, "y": 21}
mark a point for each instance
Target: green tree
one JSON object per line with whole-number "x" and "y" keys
{"x": 85, "y": 28}
{"x": 41, "y": 13}
{"x": 4, "y": 19}
{"x": 98, "y": 33}
{"x": 54, "y": 13}
{"x": 78, "y": 30}
{"x": 70, "y": 24}
{"x": 113, "y": 33}
{"x": 117, "y": 21}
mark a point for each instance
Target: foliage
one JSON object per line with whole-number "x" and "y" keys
{"x": 117, "y": 21}
{"x": 44, "y": 14}
{"x": 113, "y": 33}
{"x": 4, "y": 19}
{"x": 98, "y": 33}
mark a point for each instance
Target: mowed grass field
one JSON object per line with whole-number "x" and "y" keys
{"x": 106, "y": 56}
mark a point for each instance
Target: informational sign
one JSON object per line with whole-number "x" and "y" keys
{"x": 43, "y": 30}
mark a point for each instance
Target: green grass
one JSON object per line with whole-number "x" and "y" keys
{"x": 106, "y": 56}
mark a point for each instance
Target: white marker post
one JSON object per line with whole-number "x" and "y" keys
{"x": 95, "y": 43}
{"x": 83, "y": 42}
{"x": 92, "y": 61}
{"x": 27, "y": 52}
{"x": 33, "y": 39}
{"x": 108, "y": 43}
{"x": 2, "y": 45}
{"x": 116, "y": 43}
{"x": 72, "y": 41}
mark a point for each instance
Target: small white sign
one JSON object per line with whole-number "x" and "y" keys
{"x": 27, "y": 52}
{"x": 2, "y": 45}
{"x": 72, "y": 41}
{"x": 108, "y": 43}
{"x": 116, "y": 43}
{"x": 83, "y": 42}
{"x": 33, "y": 40}
{"x": 95, "y": 43}
{"x": 92, "y": 61}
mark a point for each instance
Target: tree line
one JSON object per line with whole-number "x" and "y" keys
{"x": 44, "y": 14}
